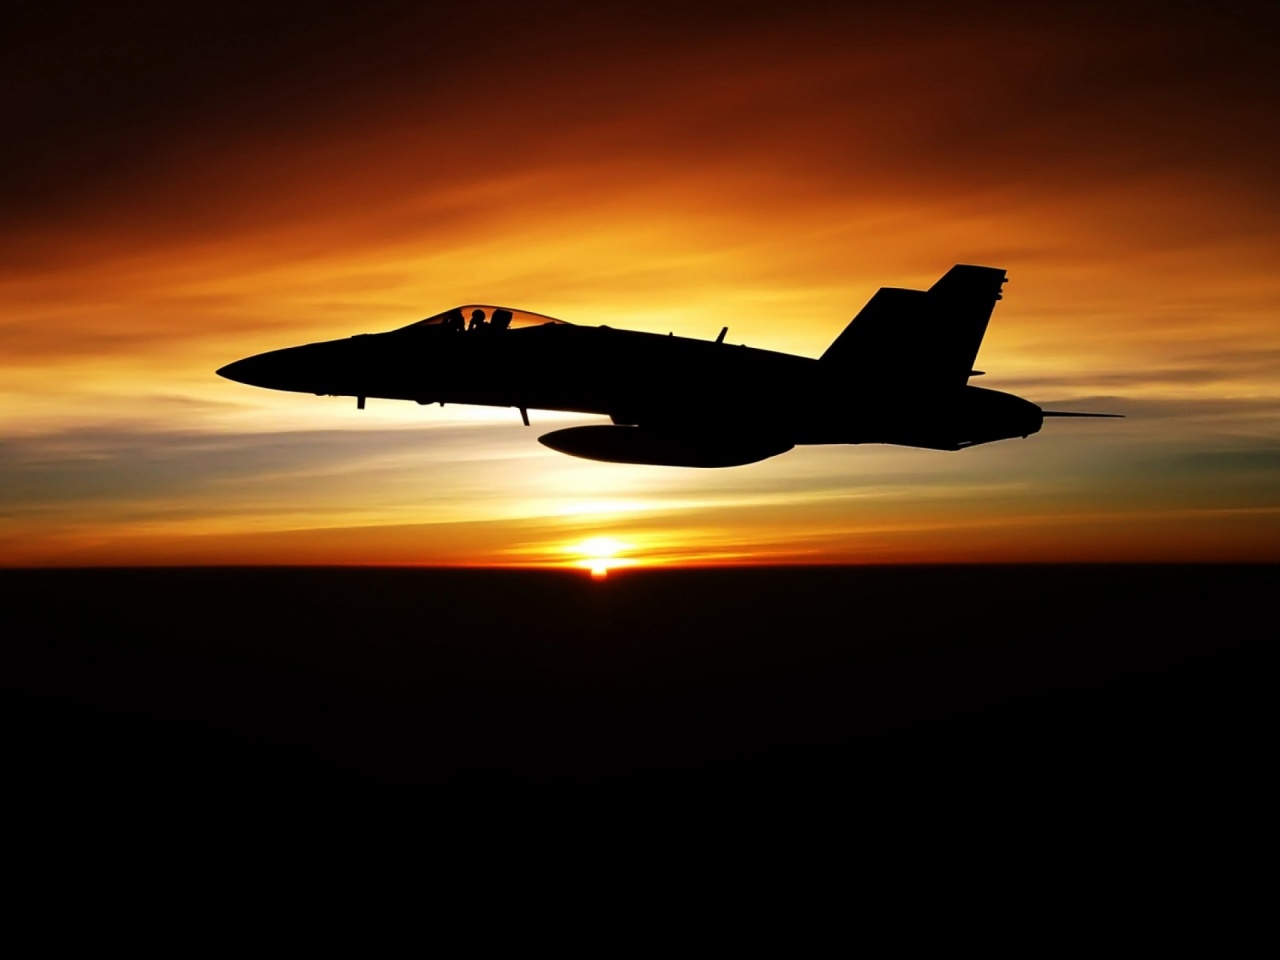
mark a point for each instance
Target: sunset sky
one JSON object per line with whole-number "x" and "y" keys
{"x": 186, "y": 184}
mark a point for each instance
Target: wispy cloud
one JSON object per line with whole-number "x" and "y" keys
{"x": 670, "y": 168}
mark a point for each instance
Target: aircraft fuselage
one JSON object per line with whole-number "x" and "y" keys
{"x": 897, "y": 374}
{"x": 661, "y": 382}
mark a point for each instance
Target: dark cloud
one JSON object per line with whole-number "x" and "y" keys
{"x": 1242, "y": 460}
{"x": 198, "y": 116}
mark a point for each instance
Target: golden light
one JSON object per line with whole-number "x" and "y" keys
{"x": 600, "y": 555}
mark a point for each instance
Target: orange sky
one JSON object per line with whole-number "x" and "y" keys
{"x": 183, "y": 188}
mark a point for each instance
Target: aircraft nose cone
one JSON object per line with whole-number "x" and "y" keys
{"x": 229, "y": 371}
{"x": 247, "y": 371}
{"x": 275, "y": 370}
{"x": 312, "y": 368}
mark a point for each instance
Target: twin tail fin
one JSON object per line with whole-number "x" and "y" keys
{"x": 920, "y": 338}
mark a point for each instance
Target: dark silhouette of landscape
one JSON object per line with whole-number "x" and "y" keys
{"x": 842, "y": 680}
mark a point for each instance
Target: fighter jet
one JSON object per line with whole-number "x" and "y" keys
{"x": 898, "y": 374}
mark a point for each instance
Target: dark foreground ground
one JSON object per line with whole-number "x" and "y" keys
{"x": 846, "y": 682}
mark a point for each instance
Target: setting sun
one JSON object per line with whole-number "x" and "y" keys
{"x": 601, "y": 554}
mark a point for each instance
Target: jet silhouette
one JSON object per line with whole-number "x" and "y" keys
{"x": 898, "y": 374}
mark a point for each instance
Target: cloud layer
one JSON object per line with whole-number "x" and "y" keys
{"x": 197, "y": 185}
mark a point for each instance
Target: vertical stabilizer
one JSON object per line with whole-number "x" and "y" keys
{"x": 920, "y": 338}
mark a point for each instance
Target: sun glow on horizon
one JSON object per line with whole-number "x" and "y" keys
{"x": 601, "y": 554}
{"x": 299, "y": 205}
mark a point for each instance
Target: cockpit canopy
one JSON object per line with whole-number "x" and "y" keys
{"x": 478, "y": 316}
